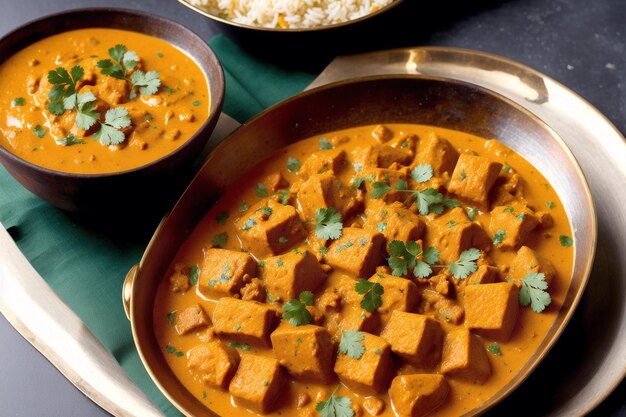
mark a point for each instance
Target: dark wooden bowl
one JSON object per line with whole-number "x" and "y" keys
{"x": 140, "y": 187}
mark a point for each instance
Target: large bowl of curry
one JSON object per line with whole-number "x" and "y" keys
{"x": 102, "y": 108}
{"x": 387, "y": 246}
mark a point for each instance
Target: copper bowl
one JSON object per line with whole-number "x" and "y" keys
{"x": 385, "y": 99}
{"x": 142, "y": 186}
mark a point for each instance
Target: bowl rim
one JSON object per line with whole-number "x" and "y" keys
{"x": 535, "y": 359}
{"x": 215, "y": 101}
{"x": 206, "y": 13}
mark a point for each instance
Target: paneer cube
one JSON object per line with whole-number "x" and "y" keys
{"x": 405, "y": 143}
{"x": 389, "y": 177}
{"x": 326, "y": 190}
{"x": 527, "y": 260}
{"x": 418, "y": 395}
{"x": 270, "y": 228}
{"x": 379, "y": 156}
{"x": 370, "y": 373}
{"x": 414, "y": 337}
{"x": 286, "y": 276}
{"x": 453, "y": 232}
{"x": 485, "y": 274}
{"x": 354, "y": 317}
{"x": 382, "y": 133}
{"x": 244, "y": 321}
{"x": 472, "y": 180}
{"x": 274, "y": 182}
{"x": 330, "y": 160}
{"x": 258, "y": 383}
{"x": 464, "y": 357}
{"x": 400, "y": 294}
{"x": 307, "y": 352}
{"x": 212, "y": 364}
{"x": 357, "y": 251}
{"x": 224, "y": 272}
{"x": 189, "y": 319}
{"x": 491, "y": 309}
{"x": 393, "y": 220}
{"x": 438, "y": 153}
{"x": 511, "y": 225}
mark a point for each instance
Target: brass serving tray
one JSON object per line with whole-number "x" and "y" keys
{"x": 582, "y": 369}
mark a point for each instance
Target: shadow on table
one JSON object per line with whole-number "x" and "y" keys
{"x": 409, "y": 24}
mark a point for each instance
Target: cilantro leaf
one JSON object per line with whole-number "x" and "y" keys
{"x": 533, "y": 292}
{"x": 466, "y": 264}
{"x": 335, "y": 406}
{"x": 261, "y": 190}
{"x": 351, "y": 344}
{"x": 422, "y": 269}
{"x": 222, "y": 217}
{"x": 494, "y": 349}
{"x": 219, "y": 240}
{"x": 325, "y": 144}
{"x": 430, "y": 200}
{"x": 293, "y": 165}
{"x": 87, "y": 116}
{"x": 472, "y": 213}
{"x": 109, "y": 133}
{"x": 422, "y": 173}
{"x": 18, "y": 102}
{"x": 194, "y": 273}
{"x": 171, "y": 317}
{"x": 296, "y": 310}
{"x": 117, "y": 52}
{"x": 69, "y": 140}
{"x": 241, "y": 346}
{"x": 39, "y": 131}
{"x": 566, "y": 241}
{"x": 431, "y": 255}
{"x": 62, "y": 95}
{"x": 379, "y": 189}
{"x": 499, "y": 236}
{"x": 328, "y": 223}
{"x": 550, "y": 204}
{"x": 148, "y": 82}
{"x": 401, "y": 185}
{"x": 371, "y": 292}
{"x": 405, "y": 257}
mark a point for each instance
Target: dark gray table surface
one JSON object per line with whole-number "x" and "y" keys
{"x": 580, "y": 43}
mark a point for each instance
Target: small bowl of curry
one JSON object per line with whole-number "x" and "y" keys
{"x": 103, "y": 106}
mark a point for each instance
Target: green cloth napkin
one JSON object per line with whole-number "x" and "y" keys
{"x": 86, "y": 265}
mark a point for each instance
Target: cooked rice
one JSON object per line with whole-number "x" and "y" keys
{"x": 290, "y": 13}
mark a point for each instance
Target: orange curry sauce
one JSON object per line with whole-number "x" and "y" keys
{"x": 516, "y": 176}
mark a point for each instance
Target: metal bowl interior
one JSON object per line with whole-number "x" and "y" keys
{"x": 205, "y": 12}
{"x": 403, "y": 99}
{"x": 76, "y": 192}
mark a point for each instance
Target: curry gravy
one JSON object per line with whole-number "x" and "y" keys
{"x": 161, "y": 122}
{"x": 530, "y": 328}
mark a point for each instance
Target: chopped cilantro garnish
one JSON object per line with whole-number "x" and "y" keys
{"x": 243, "y": 206}
{"x": 296, "y": 310}
{"x": 328, "y": 223}
{"x": 325, "y": 144}
{"x": 381, "y": 227}
{"x": 194, "y": 272}
{"x": 239, "y": 346}
{"x": 39, "y": 131}
{"x": 248, "y": 224}
{"x": 499, "y": 237}
{"x": 222, "y": 217}
{"x": 293, "y": 165}
{"x": 335, "y": 406}
{"x": 472, "y": 213}
{"x": 422, "y": 173}
{"x": 494, "y": 349}
{"x": 550, "y": 205}
{"x": 404, "y": 257}
{"x": 466, "y": 264}
{"x": 196, "y": 103}
{"x": 171, "y": 316}
{"x": 122, "y": 62}
{"x": 219, "y": 240}
{"x": 351, "y": 344}
{"x": 371, "y": 292}
{"x": 379, "y": 189}
{"x": 69, "y": 140}
{"x": 566, "y": 241}
{"x": 261, "y": 190}
{"x": 18, "y": 102}
{"x": 533, "y": 292}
